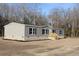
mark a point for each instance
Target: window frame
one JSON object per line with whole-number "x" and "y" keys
{"x": 60, "y": 32}
{"x": 30, "y": 32}
{"x": 47, "y": 31}
{"x": 33, "y": 31}
{"x": 43, "y": 31}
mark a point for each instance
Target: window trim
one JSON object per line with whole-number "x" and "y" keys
{"x": 33, "y": 32}
{"x": 45, "y": 31}
{"x": 60, "y": 32}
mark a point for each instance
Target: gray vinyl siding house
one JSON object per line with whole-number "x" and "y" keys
{"x": 35, "y": 32}
{"x": 24, "y": 32}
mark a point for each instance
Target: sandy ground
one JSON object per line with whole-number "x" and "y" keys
{"x": 63, "y": 47}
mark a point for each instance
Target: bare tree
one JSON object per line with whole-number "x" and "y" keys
{"x": 56, "y": 16}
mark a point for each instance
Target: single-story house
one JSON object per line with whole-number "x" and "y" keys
{"x": 24, "y": 32}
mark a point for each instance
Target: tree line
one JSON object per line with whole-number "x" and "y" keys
{"x": 68, "y": 19}
{"x": 22, "y": 13}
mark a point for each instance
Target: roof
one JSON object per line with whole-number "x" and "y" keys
{"x": 26, "y": 24}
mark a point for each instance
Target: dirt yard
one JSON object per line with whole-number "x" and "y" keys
{"x": 63, "y": 47}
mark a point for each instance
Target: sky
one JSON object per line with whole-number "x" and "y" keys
{"x": 46, "y": 7}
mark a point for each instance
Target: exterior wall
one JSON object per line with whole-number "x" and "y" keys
{"x": 62, "y": 34}
{"x": 27, "y": 35}
{"x": 40, "y": 35}
{"x": 36, "y": 36}
{"x": 58, "y": 32}
{"x": 14, "y": 31}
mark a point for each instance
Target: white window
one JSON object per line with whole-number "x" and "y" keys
{"x": 32, "y": 31}
{"x": 60, "y": 32}
{"x": 45, "y": 31}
